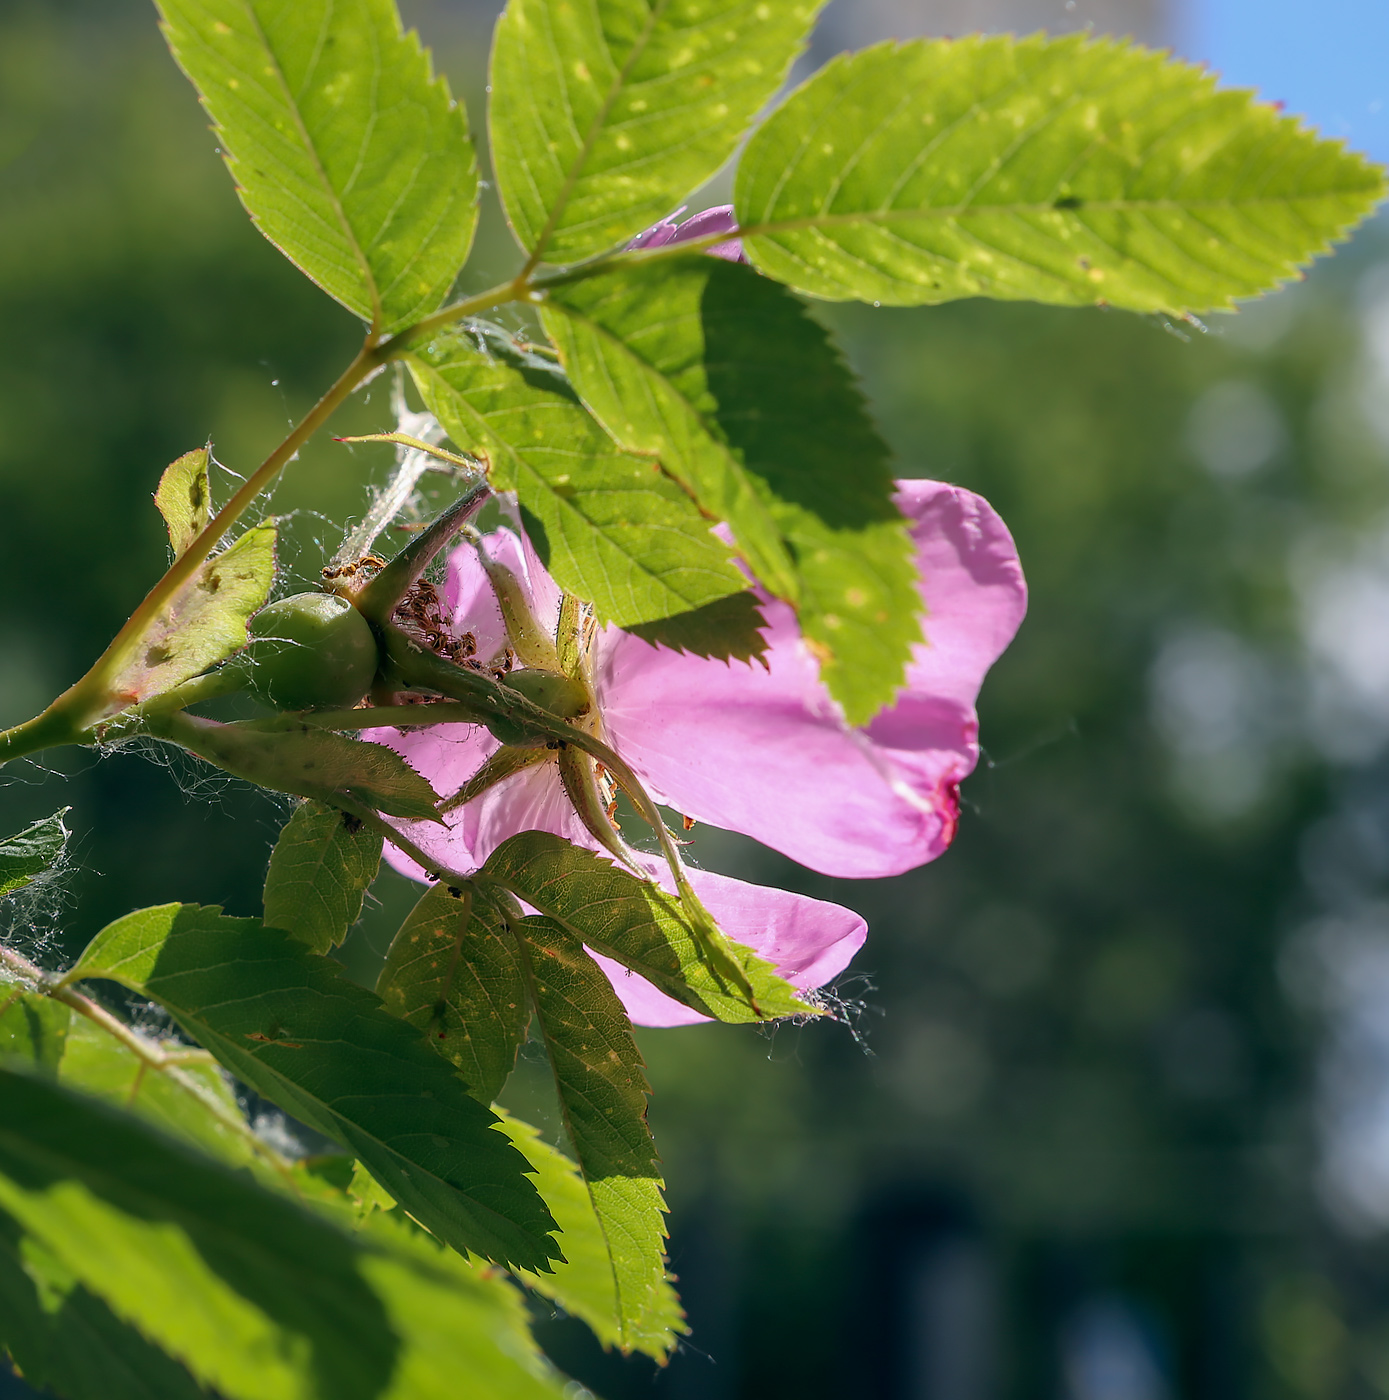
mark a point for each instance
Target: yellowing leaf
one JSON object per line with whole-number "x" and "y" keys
{"x": 184, "y": 498}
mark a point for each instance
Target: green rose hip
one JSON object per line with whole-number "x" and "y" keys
{"x": 310, "y": 650}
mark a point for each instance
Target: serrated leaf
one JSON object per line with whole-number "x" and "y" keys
{"x": 601, "y": 1083}
{"x": 1071, "y": 170}
{"x": 723, "y": 376}
{"x": 452, "y": 973}
{"x": 205, "y": 621}
{"x": 604, "y": 115}
{"x": 349, "y": 155}
{"x": 33, "y": 1029}
{"x": 28, "y": 853}
{"x": 634, "y": 922}
{"x": 184, "y": 498}
{"x": 308, "y": 762}
{"x": 610, "y": 527}
{"x": 286, "y": 1022}
{"x": 584, "y": 1285}
{"x": 320, "y": 870}
{"x": 260, "y": 1298}
{"x": 66, "y": 1340}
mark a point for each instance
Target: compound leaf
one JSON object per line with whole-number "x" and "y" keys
{"x": 723, "y": 376}
{"x": 605, "y": 114}
{"x": 28, "y": 853}
{"x": 284, "y": 1021}
{"x": 350, "y": 157}
{"x": 610, "y": 527}
{"x": 1070, "y": 170}
{"x": 634, "y": 922}
{"x": 452, "y": 973}
{"x": 258, "y": 1297}
{"x": 319, "y": 874}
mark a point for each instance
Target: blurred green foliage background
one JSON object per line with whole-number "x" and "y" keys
{"x": 1108, "y": 1119}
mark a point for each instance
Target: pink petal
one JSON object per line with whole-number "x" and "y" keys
{"x": 720, "y": 219}
{"x": 766, "y": 752}
{"x": 809, "y": 941}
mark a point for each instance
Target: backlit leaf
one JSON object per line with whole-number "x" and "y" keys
{"x": 184, "y": 498}
{"x": 348, "y": 154}
{"x": 260, "y": 1298}
{"x": 602, "y": 1089}
{"x": 33, "y": 1029}
{"x": 28, "y": 853}
{"x": 452, "y": 973}
{"x": 584, "y": 1285}
{"x": 1070, "y": 170}
{"x": 67, "y": 1340}
{"x": 205, "y": 621}
{"x": 723, "y": 376}
{"x": 611, "y": 528}
{"x": 634, "y": 922}
{"x": 605, "y": 114}
{"x": 192, "y": 1101}
{"x": 319, "y": 873}
{"x": 283, "y": 1020}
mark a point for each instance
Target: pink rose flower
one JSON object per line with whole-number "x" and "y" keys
{"x": 759, "y": 747}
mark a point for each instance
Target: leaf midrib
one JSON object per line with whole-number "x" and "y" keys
{"x": 965, "y": 211}
{"x": 336, "y": 203}
{"x": 595, "y": 130}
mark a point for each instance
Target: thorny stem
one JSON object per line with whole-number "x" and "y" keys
{"x": 150, "y": 1054}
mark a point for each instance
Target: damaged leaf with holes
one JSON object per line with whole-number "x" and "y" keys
{"x": 203, "y": 623}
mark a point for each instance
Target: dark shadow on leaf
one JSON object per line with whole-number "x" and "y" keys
{"x": 79, "y": 1349}
{"x": 788, "y": 404}
{"x": 728, "y": 629}
{"x": 299, "y": 1271}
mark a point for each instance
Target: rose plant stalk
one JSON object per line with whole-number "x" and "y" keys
{"x": 676, "y": 576}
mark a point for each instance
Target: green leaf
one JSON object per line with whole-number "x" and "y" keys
{"x": 283, "y": 1020}
{"x": 723, "y": 376}
{"x": 65, "y": 1338}
{"x": 1071, "y": 170}
{"x": 605, "y": 115}
{"x": 184, "y": 498}
{"x": 319, "y": 873}
{"x": 26, "y": 855}
{"x": 350, "y": 157}
{"x": 259, "y": 1297}
{"x": 611, "y": 528}
{"x": 452, "y": 973}
{"x": 601, "y": 1082}
{"x": 33, "y": 1029}
{"x": 585, "y": 1285}
{"x": 205, "y": 621}
{"x": 635, "y": 922}
{"x": 308, "y": 762}
{"x": 192, "y": 1101}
